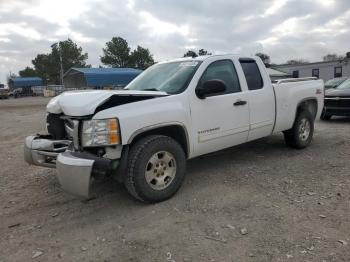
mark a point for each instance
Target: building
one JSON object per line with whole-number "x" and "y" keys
{"x": 99, "y": 77}
{"x": 25, "y": 83}
{"x": 323, "y": 70}
{"x": 276, "y": 74}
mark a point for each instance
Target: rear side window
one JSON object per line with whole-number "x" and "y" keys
{"x": 252, "y": 74}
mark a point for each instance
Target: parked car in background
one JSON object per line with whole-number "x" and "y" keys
{"x": 335, "y": 82}
{"x": 337, "y": 101}
{"x": 15, "y": 93}
{"x": 4, "y": 93}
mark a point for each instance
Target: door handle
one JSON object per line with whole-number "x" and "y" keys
{"x": 240, "y": 103}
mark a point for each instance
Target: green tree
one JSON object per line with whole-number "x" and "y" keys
{"x": 48, "y": 67}
{"x": 332, "y": 57}
{"x": 44, "y": 67}
{"x": 116, "y": 53}
{"x": 141, "y": 58}
{"x": 202, "y": 52}
{"x": 190, "y": 53}
{"x": 28, "y": 72}
{"x": 264, "y": 57}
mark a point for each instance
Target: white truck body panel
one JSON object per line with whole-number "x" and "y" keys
{"x": 289, "y": 95}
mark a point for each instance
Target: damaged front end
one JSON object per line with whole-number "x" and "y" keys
{"x": 76, "y": 146}
{"x": 75, "y": 169}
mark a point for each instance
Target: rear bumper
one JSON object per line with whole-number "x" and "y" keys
{"x": 74, "y": 169}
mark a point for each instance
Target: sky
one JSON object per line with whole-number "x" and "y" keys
{"x": 284, "y": 29}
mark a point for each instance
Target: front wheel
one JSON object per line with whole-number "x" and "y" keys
{"x": 156, "y": 168}
{"x": 300, "y": 135}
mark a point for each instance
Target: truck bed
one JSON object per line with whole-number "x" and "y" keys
{"x": 291, "y": 92}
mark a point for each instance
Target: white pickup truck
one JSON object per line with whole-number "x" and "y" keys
{"x": 173, "y": 111}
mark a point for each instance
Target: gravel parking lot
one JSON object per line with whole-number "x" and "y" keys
{"x": 257, "y": 202}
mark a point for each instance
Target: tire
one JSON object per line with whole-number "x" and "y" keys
{"x": 145, "y": 179}
{"x": 300, "y": 135}
{"x": 324, "y": 116}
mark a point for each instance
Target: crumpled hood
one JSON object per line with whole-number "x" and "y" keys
{"x": 82, "y": 103}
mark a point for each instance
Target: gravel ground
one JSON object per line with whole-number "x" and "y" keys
{"x": 257, "y": 202}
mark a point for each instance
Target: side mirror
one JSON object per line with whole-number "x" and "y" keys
{"x": 210, "y": 87}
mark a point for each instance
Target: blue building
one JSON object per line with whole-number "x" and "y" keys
{"x": 99, "y": 77}
{"x": 26, "y": 83}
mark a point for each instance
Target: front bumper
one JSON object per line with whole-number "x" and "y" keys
{"x": 337, "y": 111}
{"x": 74, "y": 169}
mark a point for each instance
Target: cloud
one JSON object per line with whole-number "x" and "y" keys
{"x": 284, "y": 29}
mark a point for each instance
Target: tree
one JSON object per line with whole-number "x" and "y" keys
{"x": 203, "y": 52}
{"x": 190, "y": 53}
{"x": 332, "y": 57}
{"x": 47, "y": 66}
{"x": 348, "y": 55}
{"x": 265, "y": 58}
{"x": 8, "y": 78}
{"x": 28, "y": 72}
{"x": 297, "y": 61}
{"x": 141, "y": 58}
{"x": 116, "y": 53}
{"x": 72, "y": 56}
{"x": 44, "y": 67}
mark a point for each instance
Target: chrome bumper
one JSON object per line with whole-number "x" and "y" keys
{"x": 74, "y": 174}
{"x": 74, "y": 169}
{"x": 42, "y": 151}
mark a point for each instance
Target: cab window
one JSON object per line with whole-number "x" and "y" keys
{"x": 252, "y": 74}
{"x": 223, "y": 70}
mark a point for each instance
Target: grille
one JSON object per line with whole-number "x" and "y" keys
{"x": 337, "y": 102}
{"x": 72, "y": 130}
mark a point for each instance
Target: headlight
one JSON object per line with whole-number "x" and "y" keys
{"x": 100, "y": 133}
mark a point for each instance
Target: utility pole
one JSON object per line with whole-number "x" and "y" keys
{"x": 61, "y": 64}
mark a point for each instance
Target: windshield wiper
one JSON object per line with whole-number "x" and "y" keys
{"x": 150, "y": 89}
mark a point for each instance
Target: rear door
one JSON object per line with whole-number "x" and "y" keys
{"x": 221, "y": 120}
{"x": 261, "y": 98}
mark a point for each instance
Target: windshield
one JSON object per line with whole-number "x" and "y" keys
{"x": 335, "y": 82}
{"x": 345, "y": 85}
{"x": 171, "y": 78}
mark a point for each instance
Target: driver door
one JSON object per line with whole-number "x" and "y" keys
{"x": 220, "y": 120}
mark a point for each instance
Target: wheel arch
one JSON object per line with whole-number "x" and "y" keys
{"x": 177, "y": 131}
{"x": 309, "y": 104}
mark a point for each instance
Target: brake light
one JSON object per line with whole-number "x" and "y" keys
{"x": 318, "y": 91}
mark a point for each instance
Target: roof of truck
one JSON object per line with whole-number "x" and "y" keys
{"x": 202, "y": 58}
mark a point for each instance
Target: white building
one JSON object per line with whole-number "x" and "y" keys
{"x": 276, "y": 74}
{"x": 322, "y": 70}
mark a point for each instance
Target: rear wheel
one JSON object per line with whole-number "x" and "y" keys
{"x": 156, "y": 168}
{"x": 300, "y": 135}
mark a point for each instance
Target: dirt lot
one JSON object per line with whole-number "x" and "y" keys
{"x": 295, "y": 205}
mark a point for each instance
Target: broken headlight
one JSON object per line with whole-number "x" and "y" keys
{"x": 103, "y": 132}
